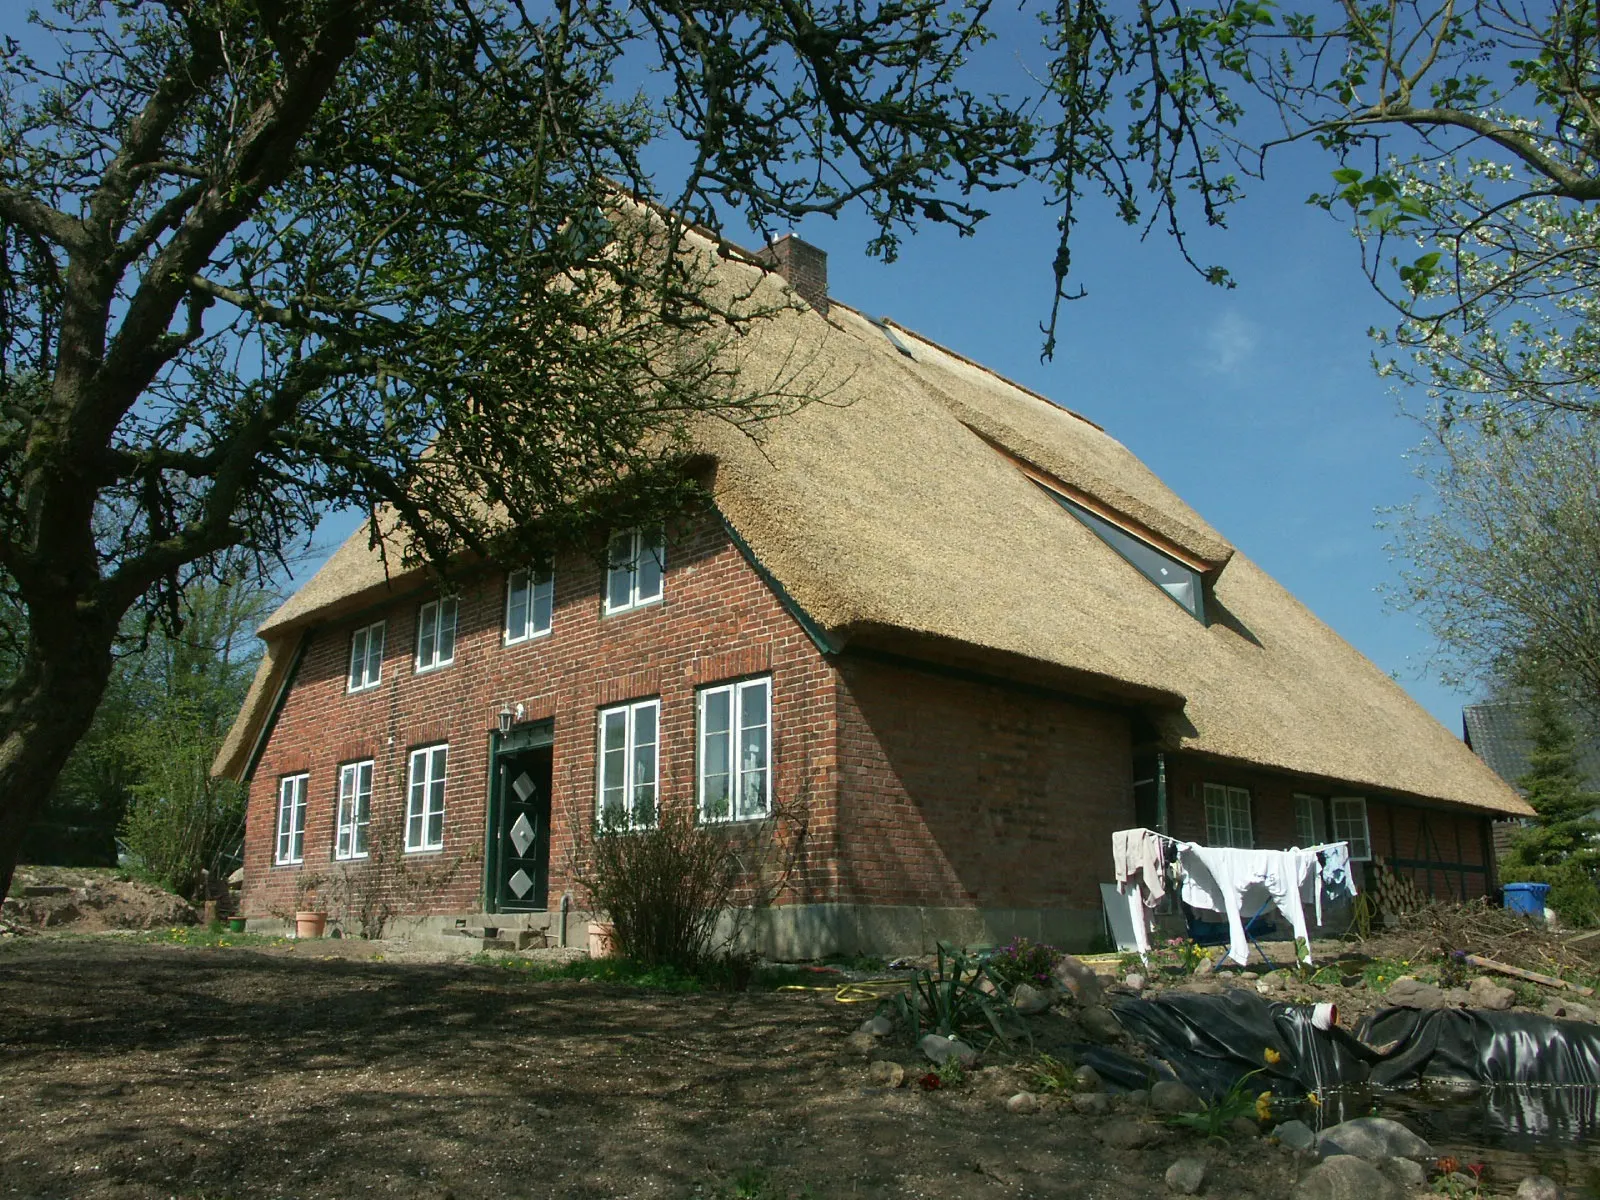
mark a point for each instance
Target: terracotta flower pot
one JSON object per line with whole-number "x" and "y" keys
{"x": 602, "y": 940}
{"x": 310, "y": 924}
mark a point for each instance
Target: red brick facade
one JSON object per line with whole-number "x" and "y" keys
{"x": 922, "y": 790}
{"x": 717, "y": 620}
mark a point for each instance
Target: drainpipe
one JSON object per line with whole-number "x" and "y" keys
{"x": 566, "y": 903}
{"x": 1161, "y": 793}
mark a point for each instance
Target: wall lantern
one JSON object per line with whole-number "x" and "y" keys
{"x": 505, "y": 718}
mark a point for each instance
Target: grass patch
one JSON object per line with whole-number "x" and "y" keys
{"x": 200, "y": 935}
{"x": 717, "y": 975}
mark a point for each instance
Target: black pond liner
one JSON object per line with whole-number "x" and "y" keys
{"x": 1210, "y": 1042}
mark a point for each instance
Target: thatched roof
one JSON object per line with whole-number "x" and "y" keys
{"x": 895, "y": 512}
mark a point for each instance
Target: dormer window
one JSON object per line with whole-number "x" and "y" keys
{"x": 1182, "y": 582}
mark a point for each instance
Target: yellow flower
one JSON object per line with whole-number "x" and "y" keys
{"x": 1264, "y": 1106}
{"x": 1314, "y": 1100}
{"x": 1273, "y": 1057}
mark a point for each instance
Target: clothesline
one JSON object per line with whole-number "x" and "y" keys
{"x": 1222, "y": 878}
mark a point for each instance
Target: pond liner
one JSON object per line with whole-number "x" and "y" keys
{"x": 1211, "y": 1042}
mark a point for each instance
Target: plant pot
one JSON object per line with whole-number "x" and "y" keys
{"x": 602, "y": 940}
{"x": 310, "y": 924}
{"x": 235, "y": 924}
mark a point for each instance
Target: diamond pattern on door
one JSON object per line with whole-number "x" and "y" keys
{"x": 524, "y": 787}
{"x": 520, "y": 883}
{"x": 522, "y": 836}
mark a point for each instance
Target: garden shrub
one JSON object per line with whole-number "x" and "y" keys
{"x": 1022, "y": 961}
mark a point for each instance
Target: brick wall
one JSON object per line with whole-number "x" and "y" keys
{"x": 957, "y": 793}
{"x": 717, "y": 621}
{"x": 1456, "y": 840}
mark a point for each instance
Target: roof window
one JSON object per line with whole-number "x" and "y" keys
{"x": 882, "y": 324}
{"x": 1180, "y": 581}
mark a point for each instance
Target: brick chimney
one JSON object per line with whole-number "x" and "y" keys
{"x": 803, "y": 265}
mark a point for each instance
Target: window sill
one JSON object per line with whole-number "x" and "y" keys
{"x": 423, "y": 851}
{"x": 419, "y": 670}
{"x": 365, "y": 687}
{"x": 723, "y": 822}
{"x": 538, "y": 635}
{"x": 338, "y": 858}
{"x": 607, "y": 611}
{"x": 288, "y": 862}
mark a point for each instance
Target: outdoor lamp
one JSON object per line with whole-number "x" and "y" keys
{"x": 505, "y": 718}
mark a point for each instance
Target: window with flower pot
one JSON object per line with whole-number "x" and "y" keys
{"x": 628, "y": 774}
{"x": 734, "y": 775}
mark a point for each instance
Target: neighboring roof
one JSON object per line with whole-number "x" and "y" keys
{"x": 1498, "y": 731}
{"x": 889, "y": 513}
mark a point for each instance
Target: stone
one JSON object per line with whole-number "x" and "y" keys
{"x": 1023, "y": 1102}
{"x": 1413, "y": 993}
{"x": 860, "y": 1043}
{"x": 1201, "y": 987}
{"x": 1486, "y": 993}
{"x": 1571, "y": 1010}
{"x": 1133, "y": 980}
{"x": 1028, "y": 999}
{"x": 1457, "y": 998}
{"x": 1187, "y": 1176}
{"x": 1079, "y": 980}
{"x": 878, "y": 1027}
{"x": 1372, "y": 1138}
{"x": 1125, "y": 1133}
{"x": 1137, "y": 1098}
{"x": 1271, "y": 985}
{"x": 885, "y": 1073}
{"x": 1406, "y": 1173}
{"x": 1296, "y": 1135}
{"x": 1087, "y": 1079}
{"x": 1205, "y": 967}
{"x": 1099, "y": 1024}
{"x": 940, "y": 1050}
{"x": 1538, "y": 1187}
{"x": 1245, "y": 1127}
{"x": 1170, "y": 1096}
{"x": 1346, "y": 1177}
{"x": 1094, "y": 1104}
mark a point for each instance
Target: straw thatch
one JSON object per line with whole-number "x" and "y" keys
{"x": 891, "y": 516}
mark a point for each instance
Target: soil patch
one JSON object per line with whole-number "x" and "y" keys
{"x": 134, "y": 1070}
{"x": 91, "y": 899}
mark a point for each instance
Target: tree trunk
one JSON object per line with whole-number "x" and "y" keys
{"x": 43, "y": 714}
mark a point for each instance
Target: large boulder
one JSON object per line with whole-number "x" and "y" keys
{"x": 1345, "y": 1177}
{"x": 1078, "y": 979}
{"x": 1486, "y": 993}
{"x": 939, "y": 1050}
{"x": 1372, "y": 1138}
{"x": 1413, "y": 993}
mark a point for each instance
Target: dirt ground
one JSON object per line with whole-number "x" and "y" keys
{"x": 149, "y": 1070}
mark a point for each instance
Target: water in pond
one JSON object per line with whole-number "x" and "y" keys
{"x": 1515, "y": 1131}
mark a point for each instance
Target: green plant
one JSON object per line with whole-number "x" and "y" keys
{"x": 1022, "y": 961}
{"x": 948, "y": 998}
{"x": 1049, "y": 1074}
{"x": 1216, "y": 1117}
{"x": 951, "y": 1073}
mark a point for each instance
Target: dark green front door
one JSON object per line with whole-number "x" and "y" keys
{"x": 519, "y": 873}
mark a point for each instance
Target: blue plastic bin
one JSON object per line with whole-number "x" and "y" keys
{"x": 1527, "y": 897}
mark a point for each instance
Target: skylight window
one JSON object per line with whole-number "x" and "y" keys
{"x": 883, "y": 327}
{"x": 1178, "y": 580}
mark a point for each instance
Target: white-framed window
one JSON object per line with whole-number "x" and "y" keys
{"x": 735, "y": 762}
{"x": 635, "y": 566}
{"x": 1350, "y": 825}
{"x": 292, "y": 818}
{"x": 436, "y": 634}
{"x": 629, "y": 770}
{"x": 1228, "y": 817}
{"x": 425, "y": 799}
{"x": 530, "y": 604}
{"x": 355, "y": 810}
{"x": 366, "y": 657}
{"x": 1310, "y": 826}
